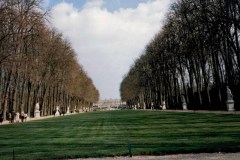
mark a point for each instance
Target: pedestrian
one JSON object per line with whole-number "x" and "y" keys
{"x": 13, "y": 116}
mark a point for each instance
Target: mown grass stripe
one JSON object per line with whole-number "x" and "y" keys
{"x": 108, "y": 133}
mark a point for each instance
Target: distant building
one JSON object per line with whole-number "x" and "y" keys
{"x": 109, "y": 104}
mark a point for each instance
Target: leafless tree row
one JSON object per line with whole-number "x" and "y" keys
{"x": 196, "y": 55}
{"x": 37, "y": 64}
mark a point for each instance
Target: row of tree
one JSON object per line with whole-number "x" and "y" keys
{"x": 196, "y": 55}
{"x": 37, "y": 64}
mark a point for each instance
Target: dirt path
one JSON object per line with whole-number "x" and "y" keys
{"x": 203, "y": 111}
{"x": 201, "y": 156}
{"x": 29, "y": 119}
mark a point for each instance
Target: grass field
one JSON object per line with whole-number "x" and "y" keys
{"x": 109, "y": 133}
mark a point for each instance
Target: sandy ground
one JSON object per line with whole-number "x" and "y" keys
{"x": 28, "y": 119}
{"x": 200, "y": 156}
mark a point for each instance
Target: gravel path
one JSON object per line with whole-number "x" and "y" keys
{"x": 28, "y": 119}
{"x": 200, "y": 156}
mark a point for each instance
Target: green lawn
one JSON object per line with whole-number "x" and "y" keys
{"x": 108, "y": 134}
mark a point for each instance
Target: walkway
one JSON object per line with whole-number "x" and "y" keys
{"x": 31, "y": 119}
{"x": 204, "y": 111}
{"x": 200, "y": 156}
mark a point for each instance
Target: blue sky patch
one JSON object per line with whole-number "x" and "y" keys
{"x": 110, "y": 5}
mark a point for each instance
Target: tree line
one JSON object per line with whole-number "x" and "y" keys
{"x": 196, "y": 55}
{"x": 37, "y": 64}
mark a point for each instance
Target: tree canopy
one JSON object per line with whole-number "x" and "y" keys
{"x": 196, "y": 55}
{"x": 37, "y": 64}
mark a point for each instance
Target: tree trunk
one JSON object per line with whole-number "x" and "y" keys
{"x": 6, "y": 94}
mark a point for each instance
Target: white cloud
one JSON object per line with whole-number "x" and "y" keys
{"x": 107, "y": 43}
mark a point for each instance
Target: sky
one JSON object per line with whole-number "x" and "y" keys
{"x": 107, "y": 35}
